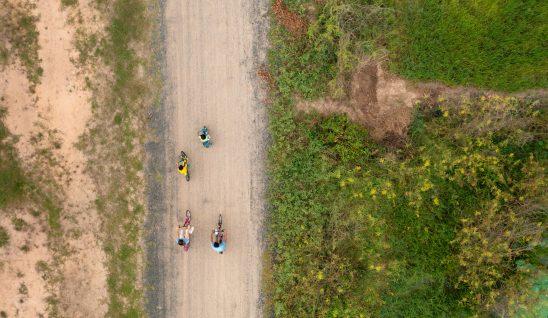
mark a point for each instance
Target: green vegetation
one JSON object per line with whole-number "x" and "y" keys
{"x": 19, "y": 224}
{"x": 449, "y": 225}
{"x": 488, "y": 43}
{"x": 4, "y": 237}
{"x": 434, "y": 229}
{"x": 19, "y": 38}
{"x": 12, "y": 179}
{"x": 68, "y": 3}
{"x": 118, "y": 126}
{"x": 320, "y": 62}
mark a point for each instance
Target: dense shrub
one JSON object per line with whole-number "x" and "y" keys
{"x": 434, "y": 229}
{"x": 451, "y": 224}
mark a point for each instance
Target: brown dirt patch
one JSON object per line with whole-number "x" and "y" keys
{"x": 380, "y": 101}
{"x": 293, "y": 22}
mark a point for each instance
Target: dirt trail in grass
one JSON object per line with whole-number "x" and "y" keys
{"x": 212, "y": 53}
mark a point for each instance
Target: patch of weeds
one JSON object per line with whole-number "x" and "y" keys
{"x": 19, "y": 33}
{"x": 52, "y": 306}
{"x": 322, "y": 61}
{"x": 69, "y": 3}
{"x": 13, "y": 181}
{"x": 53, "y": 216}
{"x": 19, "y": 224}
{"x": 4, "y": 237}
{"x": 25, "y": 248}
{"x": 23, "y": 289}
{"x": 447, "y": 224}
{"x": 41, "y": 266}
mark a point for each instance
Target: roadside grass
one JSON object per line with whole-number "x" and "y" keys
{"x": 498, "y": 44}
{"x": 321, "y": 61}
{"x": 449, "y": 225}
{"x": 120, "y": 99}
{"x": 19, "y": 38}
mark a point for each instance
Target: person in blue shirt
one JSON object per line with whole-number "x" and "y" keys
{"x": 218, "y": 240}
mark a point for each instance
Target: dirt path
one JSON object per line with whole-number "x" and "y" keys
{"x": 213, "y": 49}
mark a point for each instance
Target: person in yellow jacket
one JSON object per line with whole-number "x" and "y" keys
{"x": 182, "y": 165}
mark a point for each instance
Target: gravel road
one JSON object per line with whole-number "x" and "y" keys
{"x": 213, "y": 50}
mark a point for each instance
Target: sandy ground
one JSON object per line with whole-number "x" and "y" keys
{"x": 61, "y": 107}
{"x": 212, "y": 53}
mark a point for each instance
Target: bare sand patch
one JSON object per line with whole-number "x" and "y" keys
{"x": 24, "y": 291}
{"x": 59, "y": 106}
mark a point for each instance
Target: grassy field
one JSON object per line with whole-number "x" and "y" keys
{"x": 493, "y": 44}
{"x": 488, "y": 44}
{"x": 449, "y": 225}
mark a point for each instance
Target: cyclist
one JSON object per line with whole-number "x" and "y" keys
{"x": 218, "y": 239}
{"x": 184, "y": 234}
{"x": 204, "y": 137}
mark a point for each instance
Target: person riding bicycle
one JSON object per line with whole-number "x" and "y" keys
{"x": 182, "y": 164}
{"x": 184, "y": 234}
{"x": 203, "y": 136}
{"x": 218, "y": 239}
{"x": 205, "y": 139}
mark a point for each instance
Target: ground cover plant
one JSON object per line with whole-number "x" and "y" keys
{"x": 489, "y": 44}
{"x": 438, "y": 228}
{"x": 450, "y": 224}
{"x": 492, "y": 44}
{"x": 12, "y": 178}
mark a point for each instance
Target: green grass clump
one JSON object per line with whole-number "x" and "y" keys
{"x": 491, "y": 44}
{"x": 19, "y": 224}
{"x": 19, "y": 38}
{"x": 69, "y": 3}
{"x": 13, "y": 181}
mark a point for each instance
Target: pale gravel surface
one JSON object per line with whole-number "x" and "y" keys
{"x": 213, "y": 51}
